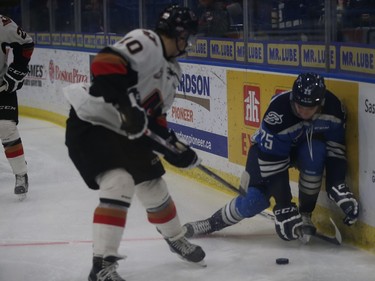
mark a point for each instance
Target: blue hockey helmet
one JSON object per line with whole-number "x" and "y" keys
{"x": 309, "y": 89}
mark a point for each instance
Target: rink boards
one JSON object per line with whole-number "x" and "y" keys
{"x": 217, "y": 109}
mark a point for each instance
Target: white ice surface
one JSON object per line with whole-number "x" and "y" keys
{"x": 47, "y": 237}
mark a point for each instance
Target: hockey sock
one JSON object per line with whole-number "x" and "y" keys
{"x": 15, "y": 155}
{"x": 165, "y": 218}
{"x": 108, "y": 227}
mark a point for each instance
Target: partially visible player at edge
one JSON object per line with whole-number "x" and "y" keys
{"x": 11, "y": 80}
{"x": 134, "y": 84}
{"x": 302, "y": 128}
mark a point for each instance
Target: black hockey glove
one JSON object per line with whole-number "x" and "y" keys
{"x": 133, "y": 118}
{"x": 186, "y": 157}
{"x": 344, "y": 198}
{"x": 13, "y": 79}
{"x": 288, "y": 221}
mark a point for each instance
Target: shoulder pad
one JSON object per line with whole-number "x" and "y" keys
{"x": 142, "y": 48}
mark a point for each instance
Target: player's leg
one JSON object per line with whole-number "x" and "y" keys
{"x": 115, "y": 196}
{"x": 232, "y": 213}
{"x": 14, "y": 153}
{"x": 161, "y": 212}
{"x": 310, "y": 162}
{"x": 238, "y": 208}
{"x": 99, "y": 155}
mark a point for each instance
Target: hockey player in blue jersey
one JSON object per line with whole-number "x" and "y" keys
{"x": 302, "y": 128}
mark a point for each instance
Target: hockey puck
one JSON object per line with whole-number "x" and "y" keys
{"x": 282, "y": 261}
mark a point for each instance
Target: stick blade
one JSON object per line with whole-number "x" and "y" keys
{"x": 337, "y": 231}
{"x": 337, "y": 239}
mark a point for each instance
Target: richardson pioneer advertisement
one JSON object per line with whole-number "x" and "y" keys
{"x": 199, "y": 114}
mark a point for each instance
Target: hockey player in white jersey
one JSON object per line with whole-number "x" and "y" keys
{"x": 134, "y": 83}
{"x": 11, "y": 80}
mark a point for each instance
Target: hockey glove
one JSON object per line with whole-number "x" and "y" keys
{"x": 344, "y": 198}
{"x": 13, "y": 79}
{"x": 133, "y": 118}
{"x": 288, "y": 221}
{"x": 186, "y": 158}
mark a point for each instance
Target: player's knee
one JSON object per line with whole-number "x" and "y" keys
{"x": 163, "y": 213}
{"x": 116, "y": 185}
{"x": 153, "y": 193}
{"x": 254, "y": 202}
{"x": 9, "y": 131}
{"x": 155, "y": 197}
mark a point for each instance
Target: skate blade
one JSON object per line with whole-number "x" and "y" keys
{"x": 201, "y": 263}
{"x": 305, "y": 238}
{"x": 21, "y": 197}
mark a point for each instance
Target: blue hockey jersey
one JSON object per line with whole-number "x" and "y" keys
{"x": 281, "y": 130}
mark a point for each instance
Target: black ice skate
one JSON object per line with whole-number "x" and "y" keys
{"x": 198, "y": 228}
{"x": 22, "y": 186}
{"x": 185, "y": 250}
{"x": 104, "y": 269}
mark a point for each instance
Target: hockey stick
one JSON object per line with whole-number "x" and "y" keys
{"x": 213, "y": 175}
{"x": 160, "y": 140}
{"x": 337, "y": 239}
{"x": 201, "y": 167}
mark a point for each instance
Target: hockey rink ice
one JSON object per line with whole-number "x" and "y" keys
{"x": 47, "y": 237}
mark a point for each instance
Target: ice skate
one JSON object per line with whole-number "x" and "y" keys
{"x": 22, "y": 186}
{"x": 197, "y": 228}
{"x": 104, "y": 269}
{"x": 185, "y": 250}
{"x": 214, "y": 223}
{"x": 308, "y": 228}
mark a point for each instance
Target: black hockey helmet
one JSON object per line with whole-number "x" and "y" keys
{"x": 175, "y": 20}
{"x": 309, "y": 89}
